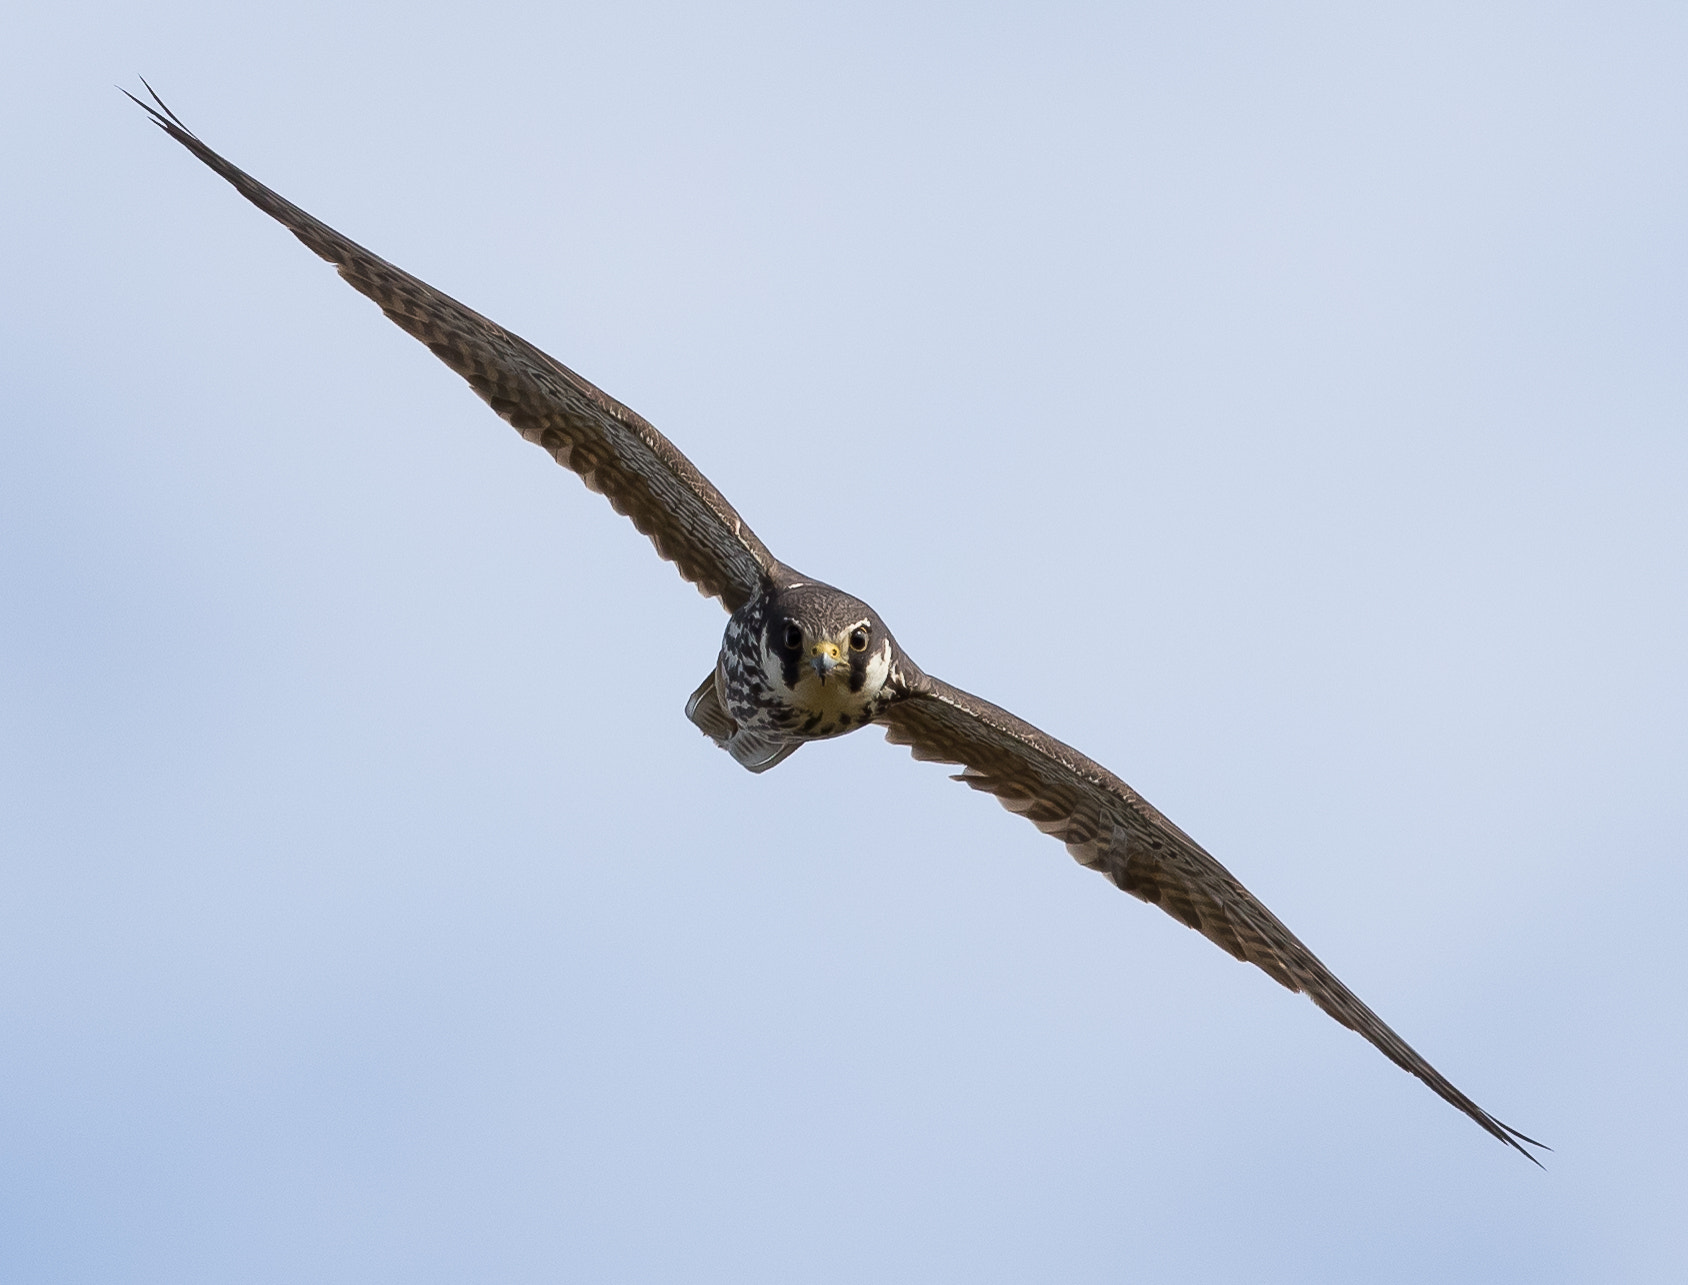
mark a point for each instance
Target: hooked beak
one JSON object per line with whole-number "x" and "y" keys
{"x": 824, "y": 657}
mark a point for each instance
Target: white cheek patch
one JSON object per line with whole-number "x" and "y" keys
{"x": 878, "y": 670}
{"x": 812, "y": 708}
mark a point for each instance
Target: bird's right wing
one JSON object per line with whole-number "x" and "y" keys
{"x": 1109, "y": 827}
{"x": 614, "y": 451}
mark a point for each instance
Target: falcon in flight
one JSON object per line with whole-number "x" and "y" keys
{"x": 802, "y": 661}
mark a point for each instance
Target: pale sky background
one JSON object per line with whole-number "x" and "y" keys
{"x": 1287, "y": 405}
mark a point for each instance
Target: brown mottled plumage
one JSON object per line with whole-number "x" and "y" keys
{"x": 802, "y": 661}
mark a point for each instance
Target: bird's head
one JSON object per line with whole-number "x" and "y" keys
{"x": 828, "y": 654}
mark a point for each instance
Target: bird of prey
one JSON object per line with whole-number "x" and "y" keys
{"x": 801, "y": 661}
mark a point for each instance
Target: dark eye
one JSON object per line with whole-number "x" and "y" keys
{"x": 793, "y": 636}
{"x": 858, "y": 638}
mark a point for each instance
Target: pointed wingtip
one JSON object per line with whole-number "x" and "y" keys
{"x": 1520, "y": 1142}
{"x": 158, "y": 109}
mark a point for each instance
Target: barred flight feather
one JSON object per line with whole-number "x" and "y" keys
{"x": 1066, "y": 794}
{"x": 614, "y": 451}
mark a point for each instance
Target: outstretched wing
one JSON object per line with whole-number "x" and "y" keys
{"x": 614, "y": 451}
{"x": 1109, "y": 827}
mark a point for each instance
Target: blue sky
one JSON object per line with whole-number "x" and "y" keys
{"x": 1286, "y": 406}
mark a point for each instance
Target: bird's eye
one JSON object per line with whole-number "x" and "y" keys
{"x": 858, "y": 638}
{"x": 793, "y": 636}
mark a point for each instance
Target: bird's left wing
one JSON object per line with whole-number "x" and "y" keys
{"x": 1109, "y": 827}
{"x": 614, "y": 451}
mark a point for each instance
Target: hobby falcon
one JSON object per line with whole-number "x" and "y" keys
{"x": 802, "y": 661}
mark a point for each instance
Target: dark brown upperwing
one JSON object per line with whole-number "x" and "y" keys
{"x": 1109, "y": 827}
{"x": 614, "y": 451}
